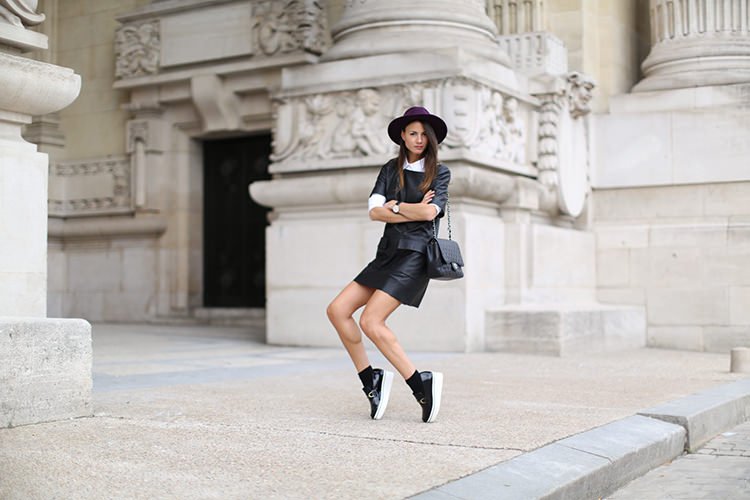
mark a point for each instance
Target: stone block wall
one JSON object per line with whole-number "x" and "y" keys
{"x": 103, "y": 280}
{"x": 684, "y": 253}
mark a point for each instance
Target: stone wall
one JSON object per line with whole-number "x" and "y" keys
{"x": 607, "y": 39}
{"x": 683, "y": 252}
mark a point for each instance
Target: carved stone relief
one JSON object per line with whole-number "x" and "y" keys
{"x": 331, "y": 126}
{"x": 137, "y": 49}
{"x": 90, "y": 187}
{"x": 274, "y": 27}
{"x": 352, "y": 124}
{"x": 286, "y": 26}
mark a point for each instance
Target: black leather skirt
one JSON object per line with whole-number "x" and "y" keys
{"x": 400, "y": 273}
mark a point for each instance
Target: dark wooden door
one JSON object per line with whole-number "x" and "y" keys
{"x": 234, "y": 226}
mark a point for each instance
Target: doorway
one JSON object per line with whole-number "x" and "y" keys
{"x": 234, "y": 226}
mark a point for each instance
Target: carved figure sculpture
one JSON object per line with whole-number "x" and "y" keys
{"x": 277, "y": 29}
{"x": 515, "y": 132}
{"x": 21, "y": 13}
{"x": 312, "y": 126}
{"x": 367, "y": 122}
{"x": 580, "y": 93}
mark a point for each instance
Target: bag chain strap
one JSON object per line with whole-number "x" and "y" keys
{"x": 448, "y": 212}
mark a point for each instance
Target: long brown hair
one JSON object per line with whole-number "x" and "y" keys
{"x": 430, "y": 156}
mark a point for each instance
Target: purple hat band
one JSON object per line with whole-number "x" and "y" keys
{"x": 417, "y": 113}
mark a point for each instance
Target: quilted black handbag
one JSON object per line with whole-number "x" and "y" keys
{"x": 444, "y": 261}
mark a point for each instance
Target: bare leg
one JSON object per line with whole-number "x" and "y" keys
{"x": 340, "y": 312}
{"x": 372, "y": 321}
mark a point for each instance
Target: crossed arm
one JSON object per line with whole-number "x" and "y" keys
{"x": 408, "y": 212}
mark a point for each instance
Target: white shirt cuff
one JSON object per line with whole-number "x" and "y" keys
{"x": 437, "y": 208}
{"x": 376, "y": 200}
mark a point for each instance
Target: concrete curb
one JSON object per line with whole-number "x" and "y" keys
{"x": 707, "y": 413}
{"x": 597, "y": 462}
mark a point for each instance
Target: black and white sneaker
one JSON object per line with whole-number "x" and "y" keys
{"x": 381, "y": 381}
{"x": 430, "y": 399}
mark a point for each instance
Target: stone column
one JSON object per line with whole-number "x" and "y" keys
{"x": 517, "y": 16}
{"x": 369, "y": 27}
{"x": 697, "y": 43}
{"x": 45, "y": 365}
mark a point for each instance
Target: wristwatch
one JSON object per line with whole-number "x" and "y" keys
{"x": 395, "y": 208}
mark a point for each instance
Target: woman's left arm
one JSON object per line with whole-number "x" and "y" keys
{"x": 425, "y": 210}
{"x": 434, "y": 201}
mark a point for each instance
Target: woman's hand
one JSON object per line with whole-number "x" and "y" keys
{"x": 389, "y": 204}
{"x": 428, "y": 196}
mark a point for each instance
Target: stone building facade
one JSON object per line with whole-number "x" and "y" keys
{"x": 598, "y": 151}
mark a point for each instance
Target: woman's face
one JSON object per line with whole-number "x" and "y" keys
{"x": 415, "y": 139}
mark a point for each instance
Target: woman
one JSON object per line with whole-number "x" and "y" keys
{"x": 410, "y": 192}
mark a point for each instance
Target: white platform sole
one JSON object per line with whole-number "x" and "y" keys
{"x": 437, "y": 394}
{"x": 385, "y": 394}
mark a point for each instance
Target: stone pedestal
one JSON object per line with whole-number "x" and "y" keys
{"x": 45, "y": 365}
{"x": 517, "y": 149}
{"x": 45, "y": 370}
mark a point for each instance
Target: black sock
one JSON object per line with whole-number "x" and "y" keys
{"x": 415, "y": 382}
{"x": 366, "y": 377}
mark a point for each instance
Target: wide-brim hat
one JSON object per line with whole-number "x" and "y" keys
{"x": 413, "y": 114}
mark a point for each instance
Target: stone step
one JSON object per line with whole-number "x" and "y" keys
{"x": 564, "y": 329}
{"x": 231, "y": 316}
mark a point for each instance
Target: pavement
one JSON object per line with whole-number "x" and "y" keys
{"x": 719, "y": 470}
{"x": 197, "y": 412}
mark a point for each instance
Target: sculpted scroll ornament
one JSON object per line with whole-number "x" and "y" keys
{"x": 21, "y": 13}
{"x": 563, "y": 143}
{"x": 137, "y": 49}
